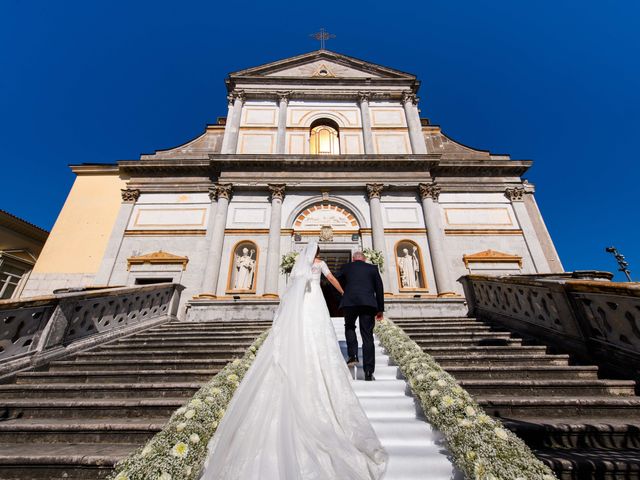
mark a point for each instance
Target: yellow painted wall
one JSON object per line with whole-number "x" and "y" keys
{"x": 79, "y": 237}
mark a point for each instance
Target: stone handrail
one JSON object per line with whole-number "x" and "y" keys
{"x": 595, "y": 320}
{"x": 35, "y": 330}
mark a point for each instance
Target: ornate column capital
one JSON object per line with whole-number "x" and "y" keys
{"x": 374, "y": 190}
{"x": 236, "y": 94}
{"x": 284, "y": 96}
{"x": 213, "y": 194}
{"x": 277, "y": 190}
{"x": 409, "y": 97}
{"x": 364, "y": 97}
{"x": 515, "y": 194}
{"x": 429, "y": 190}
{"x": 223, "y": 190}
{"x": 130, "y": 195}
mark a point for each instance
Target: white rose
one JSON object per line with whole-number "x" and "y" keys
{"x": 196, "y": 402}
{"x": 122, "y": 476}
{"x": 181, "y": 410}
{"x": 209, "y": 399}
{"x": 146, "y": 450}
{"x": 434, "y": 410}
{"x": 164, "y": 476}
{"x": 441, "y": 383}
{"x": 434, "y": 393}
{"x": 189, "y": 413}
{"x": 181, "y": 426}
{"x": 194, "y": 438}
{"x": 470, "y": 411}
{"x": 501, "y": 433}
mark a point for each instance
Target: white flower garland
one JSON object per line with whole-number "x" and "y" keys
{"x": 288, "y": 261}
{"x": 480, "y": 445}
{"x": 375, "y": 257}
{"x": 179, "y": 450}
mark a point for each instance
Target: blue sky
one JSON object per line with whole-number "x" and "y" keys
{"x": 552, "y": 81}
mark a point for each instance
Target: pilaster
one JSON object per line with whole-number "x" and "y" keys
{"x": 363, "y": 100}
{"x": 281, "y": 139}
{"x": 273, "y": 252}
{"x": 409, "y": 102}
{"x": 232, "y": 129}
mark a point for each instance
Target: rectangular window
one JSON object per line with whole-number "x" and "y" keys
{"x": 10, "y": 277}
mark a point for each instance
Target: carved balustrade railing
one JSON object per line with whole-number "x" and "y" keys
{"x": 598, "y": 321}
{"x": 35, "y": 330}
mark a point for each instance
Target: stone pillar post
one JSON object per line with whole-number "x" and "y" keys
{"x": 429, "y": 193}
{"x": 273, "y": 252}
{"x": 207, "y": 273}
{"x": 232, "y": 129}
{"x": 129, "y": 198}
{"x": 374, "y": 191}
{"x": 214, "y": 257}
{"x": 516, "y": 196}
{"x": 363, "y": 99}
{"x": 418, "y": 145}
{"x": 281, "y": 138}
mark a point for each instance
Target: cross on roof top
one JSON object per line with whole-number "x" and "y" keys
{"x": 322, "y": 36}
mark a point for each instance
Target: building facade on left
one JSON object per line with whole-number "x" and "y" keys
{"x": 20, "y": 245}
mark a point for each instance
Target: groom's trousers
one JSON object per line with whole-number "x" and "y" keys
{"x": 366, "y": 316}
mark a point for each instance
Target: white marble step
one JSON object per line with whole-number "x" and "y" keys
{"x": 414, "y": 447}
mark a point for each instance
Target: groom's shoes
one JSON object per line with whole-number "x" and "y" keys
{"x": 352, "y": 361}
{"x": 368, "y": 376}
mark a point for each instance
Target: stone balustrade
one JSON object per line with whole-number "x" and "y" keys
{"x": 33, "y": 331}
{"x": 595, "y": 320}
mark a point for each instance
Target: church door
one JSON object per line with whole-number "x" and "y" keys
{"x": 334, "y": 260}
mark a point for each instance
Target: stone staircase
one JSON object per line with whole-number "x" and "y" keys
{"x": 415, "y": 450}
{"x": 79, "y": 416}
{"x": 582, "y": 426}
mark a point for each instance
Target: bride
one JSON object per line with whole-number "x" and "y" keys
{"x": 295, "y": 415}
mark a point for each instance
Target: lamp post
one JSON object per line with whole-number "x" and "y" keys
{"x": 622, "y": 263}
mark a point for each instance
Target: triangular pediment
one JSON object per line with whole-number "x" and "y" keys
{"x": 322, "y": 64}
{"x": 158, "y": 258}
{"x": 491, "y": 256}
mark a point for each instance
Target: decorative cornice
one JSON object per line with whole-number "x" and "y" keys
{"x": 223, "y": 190}
{"x": 277, "y": 191}
{"x": 130, "y": 195}
{"x": 491, "y": 256}
{"x": 374, "y": 190}
{"x": 158, "y": 258}
{"x": 429, "y": 190}
{"x": 515, "y": 194}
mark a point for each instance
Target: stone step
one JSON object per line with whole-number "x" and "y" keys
{"x": 542, "y": 388}
{"x": 470, "y": 350}
{"x": 74, "y": 391}
{"x": 196, "y": 336}
{"x": 118, "y": 376}
{"x": 456, "y": 343}
{"x": 446, "y": 328}
{"x": 592, "y": 463}
{"x": 523, "y": 372}
{"x": 133, "y": 407}
{"x": 405, "y": 320}
{"x": 389, "y": 407}
{"x": 201, "y": 353}
{"x": 169, "y": 345}
{"x": 512, "y": 359}
{"x": 211, "y": 326}
{"x": 51, "y": 430}
{"x": 128, "y": 366}
{"x": 40, "y": 461}
{"x": 627, "y": 408}
{"x": 576, "y": 433}
{"x": 462, "y": 336}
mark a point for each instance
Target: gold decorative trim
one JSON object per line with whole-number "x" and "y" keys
{"x": 158, "y": 258}
{"x": 246, "y": 231}
{"x": 406, "y": 230}
{"x": 169, "y": 233}
{"x": 491, "y": 256}
{"x": 317, "y": 232}
{"x": 366, "y": 231}
{"x": 449, "y": 231}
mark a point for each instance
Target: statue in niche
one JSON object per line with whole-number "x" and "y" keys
{"x": 245, "y": 266}
{"x": 409, "y": 266}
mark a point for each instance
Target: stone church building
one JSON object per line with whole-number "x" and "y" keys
{"x": 320, "y": 146}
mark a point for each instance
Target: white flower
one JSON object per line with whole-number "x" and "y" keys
{"x": 122, "y": 476}
{"x": 209, "y": 399}
{"x": 420, "y": 377}
{"x": 220, "y": 412}
{"x": 432, "y": 374}
{"x": 236, "y": 361}
{"x": 215, "y": 391}
{"x": 196, "y": 402}
{"x": 146, "y": 450}
{"x": 470, "y": 411}
{"x": 501, "y": 433}
{"x": 471, "y": 455}
{"x": 194, "y": 438}
{"x": 232, "y": 378}
{"x": 434, "y": 410}
{"x": 180, "y": 450}
{"x": 189, "y": 414}
{"x": 441, "y": 383}
{"x": 484, "y": 419}
{"x": 188, "y": 470}
{"x": 434, "y": 393}
{"x": 164, "y": 476}
{"x": 464, "y": 423}
{"x": 181, "y": 410}
{"x": 447, "y": 401}
{"x": 214, "y": 424}
{"x": 181, "y": 426}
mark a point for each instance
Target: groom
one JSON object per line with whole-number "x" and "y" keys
{"x": 364, "y": 299}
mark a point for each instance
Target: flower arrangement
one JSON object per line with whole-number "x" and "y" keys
{"x": 179, "y": 450}
{"x": 480, "y": 445}
{"x": 288, "y": 261}
{"x": 375, "y": 257}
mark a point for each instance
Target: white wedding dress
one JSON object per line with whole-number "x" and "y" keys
{"x": 295, "y": 415}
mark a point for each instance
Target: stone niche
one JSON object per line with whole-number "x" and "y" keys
{"x": 243, "y": 268}
{"x": 409, "y": 266}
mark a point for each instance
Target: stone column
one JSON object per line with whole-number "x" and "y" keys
{"x": 214, "y": 257}
{"x": 516, "y": 196}
{"x": 273, "y": 252}
{"x": 232, "y": 129}
{"x": 363, "y": 100}
{"x": 281, "y": 138}
{"x": 129, "y": 198}
{"x": 207, "y": 273}
{"x": 429, "y": 193}
{"x": 374, "y": 191}
{"x": 410, "y": 101}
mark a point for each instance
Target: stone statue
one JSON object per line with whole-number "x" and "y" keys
{"x": 245, "y": 267}
{"x": 409, "y": 268}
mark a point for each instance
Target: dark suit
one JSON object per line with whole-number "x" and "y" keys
{"x": 363, "y": 298}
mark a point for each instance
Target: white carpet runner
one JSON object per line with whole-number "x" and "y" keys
{"x": 415, "y": 449}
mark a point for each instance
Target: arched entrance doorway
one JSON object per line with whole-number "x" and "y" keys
{"x": 336, "y": 228}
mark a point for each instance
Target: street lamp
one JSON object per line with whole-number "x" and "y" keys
{"x": 622, "y": 263}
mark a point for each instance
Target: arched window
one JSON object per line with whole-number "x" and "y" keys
{"x": 324, "y": 139}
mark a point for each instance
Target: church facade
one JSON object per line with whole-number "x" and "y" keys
{"x": 321, "y": 147}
